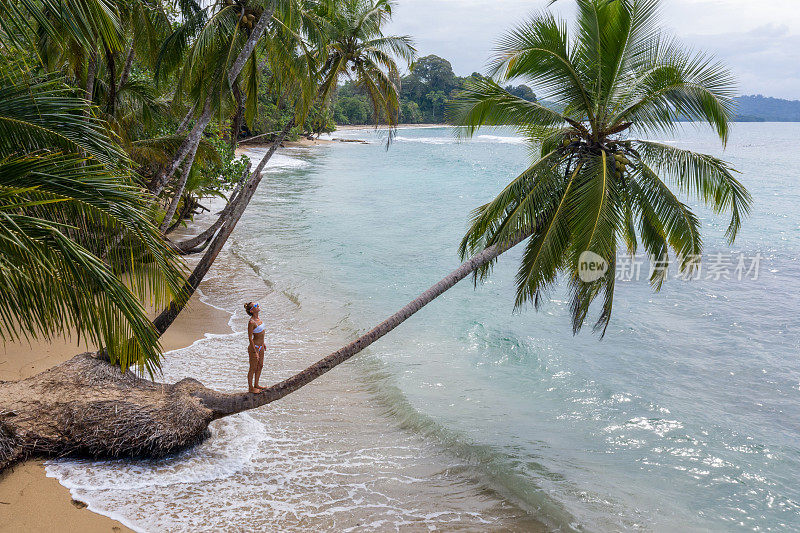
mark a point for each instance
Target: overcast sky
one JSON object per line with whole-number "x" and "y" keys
{"x": 758, "y": 39}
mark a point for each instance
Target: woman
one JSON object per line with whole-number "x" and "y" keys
{"x": 256, "y": 347}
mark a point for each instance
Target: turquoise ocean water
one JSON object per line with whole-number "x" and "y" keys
{"x": 686, "y": 416}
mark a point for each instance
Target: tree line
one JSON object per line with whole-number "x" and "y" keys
{"x": 425, "y": 93}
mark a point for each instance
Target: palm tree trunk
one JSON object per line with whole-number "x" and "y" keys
{"x": 176, "y": 196}
{"x": 188, "y": 207}
{"x": 98, "y": 411}
{"x": 250, "y": 45}
{"x": 91, "y": 70}
{"x": 189, "y": 144}
{"x": 233, "y": 73}
{"x": 168, "y": 315}
{"x": 182, "y": 127}
{"x": 189, "y": 245}
{"x": 126, "y": 71}
{"x": 238, "y": 117}
{"x": 222, "y": 404}
{"x": 112, "y": 82}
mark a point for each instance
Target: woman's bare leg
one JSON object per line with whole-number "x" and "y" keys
{"x": 259, "y": 367}
{"x": 252, "y": 371}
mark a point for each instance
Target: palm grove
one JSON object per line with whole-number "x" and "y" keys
{"x": 116, "y": 116}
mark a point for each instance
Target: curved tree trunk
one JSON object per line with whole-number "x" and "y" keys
{"x": 111, "y": 62}
{"x": 126, "y": 70}
{"x": 189, "y": 143}
{"x": 168, "y": 315}
{"x": 189, "y": 245}
{"x": 88, "y": 407}
{"x": 222, "y": 404}
{"x": 238, "y": 117}
{"x": 184, "y": 125}
{"x": 233, "y": 72}
{"x": 180, "y": 186}
{"x": 187, "y": 209}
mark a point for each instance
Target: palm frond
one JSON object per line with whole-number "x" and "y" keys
{"x": 485, "y": 103}
{"x": 43, "y": 113}
{"x": 67, "y": 232}
{"x": 539, "y": 51}
{"x": 702, "y": 176}
{"x": 591, "y": 189}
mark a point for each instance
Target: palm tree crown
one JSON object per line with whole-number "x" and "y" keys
{"x": 353, "y": 45}
{"x": 595, "y": 185}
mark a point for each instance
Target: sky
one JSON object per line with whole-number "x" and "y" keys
{"x": 758, "y": 39}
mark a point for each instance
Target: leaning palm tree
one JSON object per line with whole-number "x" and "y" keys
{"x": 241, "y": 24}
{"x": 591, "y": 187}
{"x": 353, "y": 45}
{"x": 597, "y": 183}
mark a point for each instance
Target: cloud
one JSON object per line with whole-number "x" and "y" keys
{"x": 757, "y": 40}
{"x": 765, "y": 60}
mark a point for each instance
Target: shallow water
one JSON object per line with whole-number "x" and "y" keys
{"x": 686, "y": 416}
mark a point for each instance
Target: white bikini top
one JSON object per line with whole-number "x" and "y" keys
{"x": 259, "y": 328}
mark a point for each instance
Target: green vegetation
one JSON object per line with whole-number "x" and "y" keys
{"x": 598, "y": 185}
{"x": 78, "y": 250}
{"x": 431, "y": 86}
{"x": 117, "y": 117}
{"x": 114, "y": 114}
{"x": 424, "y": 94}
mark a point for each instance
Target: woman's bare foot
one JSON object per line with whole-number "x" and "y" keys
{"x": 256, "y": 390}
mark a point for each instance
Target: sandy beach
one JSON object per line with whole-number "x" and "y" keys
{"x": 346, "y": 127}
{"x": 303, "y": 142}
{"x": 31, "y": 501}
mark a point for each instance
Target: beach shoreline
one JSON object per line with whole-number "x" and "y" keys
{"x": 350, "y": 127}
{"x": 32, "y": 500}
{"x": 304, "y": 142}
{"x": 29, "y": 499}
{"x": 24, "y": 486}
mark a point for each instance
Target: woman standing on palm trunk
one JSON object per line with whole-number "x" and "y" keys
{"x": 255, "y": 348}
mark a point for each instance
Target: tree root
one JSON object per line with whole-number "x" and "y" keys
{"x": 87, "y": 407}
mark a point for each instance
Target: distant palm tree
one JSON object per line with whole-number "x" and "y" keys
{"x": 77, "y": 250}
{"x": 591, "y": 187}
{"x": 353, "y": 45}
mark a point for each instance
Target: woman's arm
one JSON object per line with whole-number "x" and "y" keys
{"x": 250, "y": 328}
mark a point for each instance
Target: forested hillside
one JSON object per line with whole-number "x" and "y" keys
{"x": 758, "y": 108}
{"x": 424, "y": 94}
